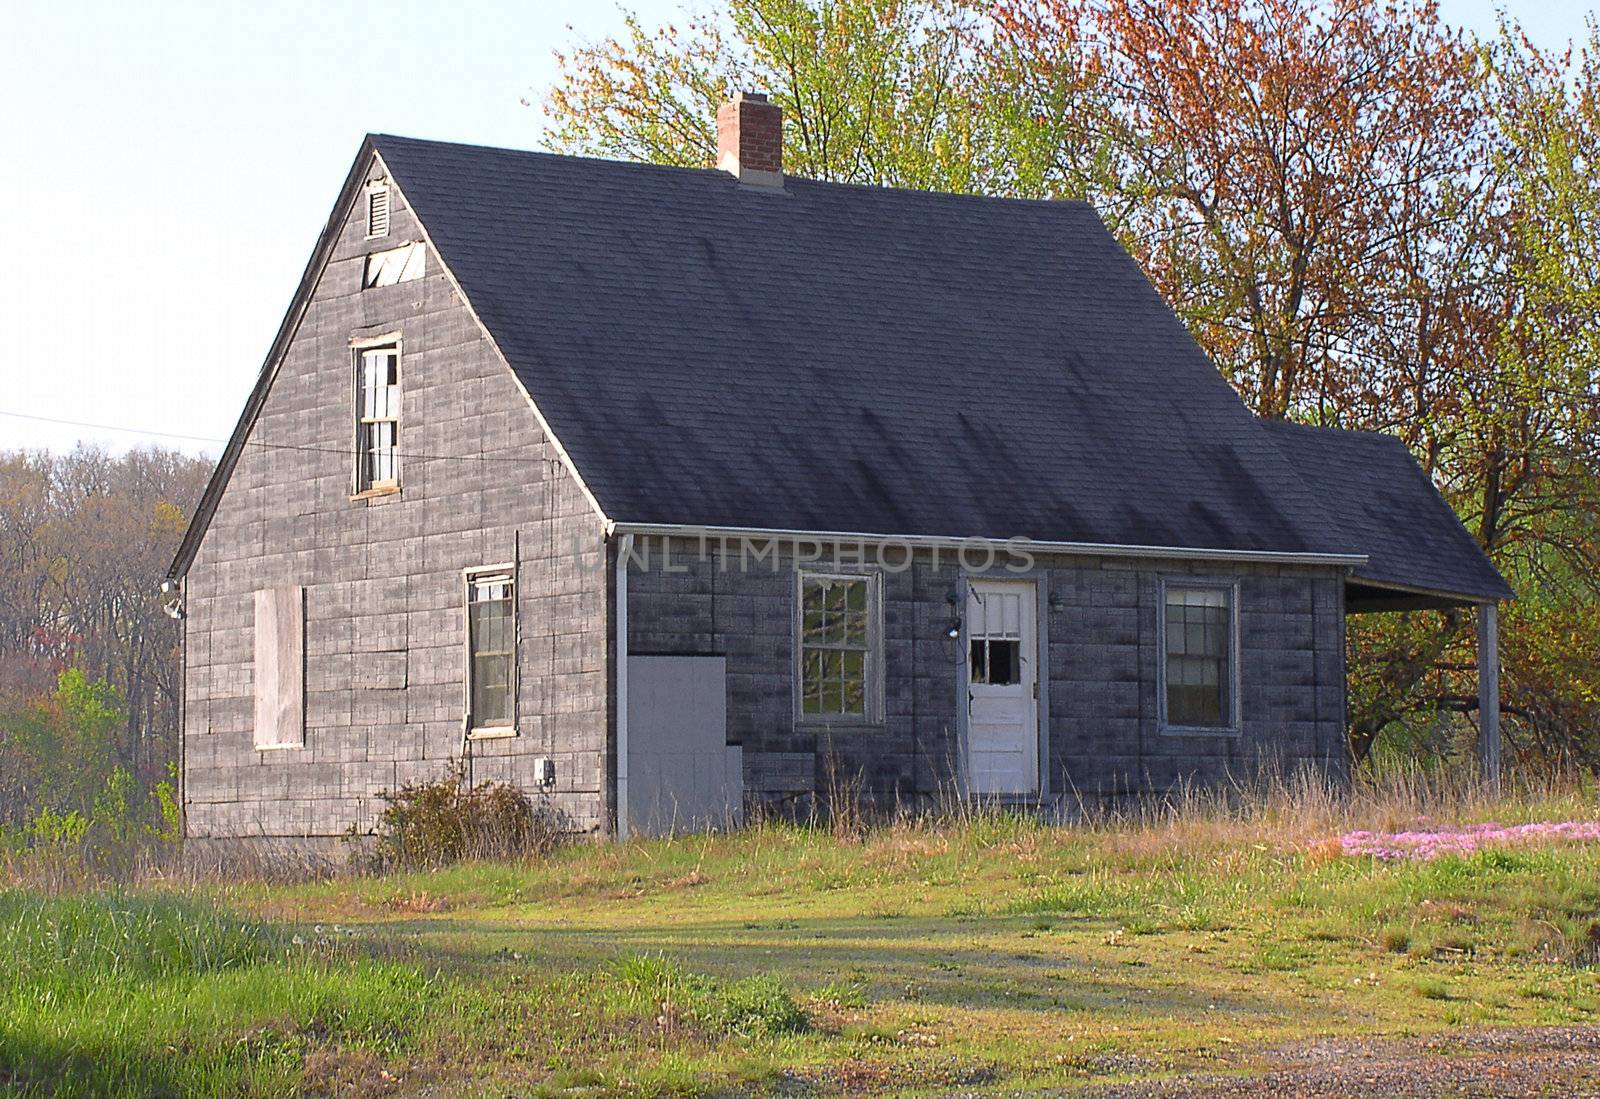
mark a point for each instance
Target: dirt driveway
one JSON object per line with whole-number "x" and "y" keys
{"x": 1505, "y": 1064}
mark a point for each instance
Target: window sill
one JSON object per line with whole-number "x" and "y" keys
{"x": 1202, "y": 730}
{"x": 497, "y": 732}
{"x": 835, "y": 720}
{"x": 280, "y": 747}
{"x": 376, "y": 492}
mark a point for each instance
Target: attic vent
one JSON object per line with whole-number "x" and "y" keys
{"x": 378, "y": 212}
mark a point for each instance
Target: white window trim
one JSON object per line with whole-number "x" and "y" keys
{"x": 874, "y": 702}
{"x": 1235, "y": 723}
{"x": 468, "y": 575}
{"x": 357, "y": 346}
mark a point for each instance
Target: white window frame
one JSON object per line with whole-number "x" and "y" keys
{"x": 1232, "y": 679}
{"x": 873, "y": 664}
{"x": 469, "y": 576}
{"x": 360, "y": 487}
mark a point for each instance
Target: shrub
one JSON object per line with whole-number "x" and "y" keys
{"x": 434, "y": 823}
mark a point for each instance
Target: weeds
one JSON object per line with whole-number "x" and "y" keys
{"x": 750, "y": 1007}
{"x": 435, "y": 823}
{"x": 706, "y": 963}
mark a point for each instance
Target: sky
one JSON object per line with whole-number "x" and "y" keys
{"x": 165, "y": 169}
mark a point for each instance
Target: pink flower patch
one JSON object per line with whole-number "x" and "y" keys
{"x": 1462, "y": 841}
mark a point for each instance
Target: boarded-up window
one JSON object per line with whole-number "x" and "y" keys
{"x": 392, "y": 265}
{"x": 491, "y": 650}
{"x": 280, "y": 673}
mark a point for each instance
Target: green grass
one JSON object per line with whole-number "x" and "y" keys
{"x": 991, "y": 953}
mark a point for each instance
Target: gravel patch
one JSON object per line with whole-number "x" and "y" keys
{"x": 1514, "y": 1063}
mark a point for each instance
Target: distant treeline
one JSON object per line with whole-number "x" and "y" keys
{"x": 88, "y": 659}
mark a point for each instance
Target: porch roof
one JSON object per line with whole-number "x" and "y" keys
{"x": 1373, "y": 490}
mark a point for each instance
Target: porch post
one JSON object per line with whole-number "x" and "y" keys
{"x": 1489, "y": 695}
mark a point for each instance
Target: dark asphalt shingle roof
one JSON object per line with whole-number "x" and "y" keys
{"x": 833, "y": 358}
{"x": 838, "y": 358}
{"x": 1375, "y": 491}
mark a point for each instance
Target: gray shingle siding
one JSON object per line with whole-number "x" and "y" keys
{"x": 1104, "y": 654}
{"x": 383, "y": 578}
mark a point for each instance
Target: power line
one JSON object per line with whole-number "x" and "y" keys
{"x": 265, "y": 445}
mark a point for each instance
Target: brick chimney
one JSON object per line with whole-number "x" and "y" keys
{"x": 750, "y": 139}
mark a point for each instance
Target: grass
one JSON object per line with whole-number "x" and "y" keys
{"x": 990, "y": 952}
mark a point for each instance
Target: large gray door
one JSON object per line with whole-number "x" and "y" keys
{"x": 682, "y": 775}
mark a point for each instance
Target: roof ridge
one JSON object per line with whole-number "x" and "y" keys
{"x": 1273, "y": 423}
{"x": 719, "y": 174}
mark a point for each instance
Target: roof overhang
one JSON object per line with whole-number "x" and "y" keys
{"x": 957, "y": 542}
{"x": 1363, "y": 596}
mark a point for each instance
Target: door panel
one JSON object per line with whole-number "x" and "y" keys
{"x": 1002, "y": 677}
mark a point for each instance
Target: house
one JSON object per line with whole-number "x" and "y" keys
{"x": 659, "y": 492}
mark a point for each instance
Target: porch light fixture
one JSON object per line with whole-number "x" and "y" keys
{"x": 952, "y": 629}
{"x": 1058, "y": 602}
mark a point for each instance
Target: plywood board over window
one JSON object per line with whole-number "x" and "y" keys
{"x": 280, "y": 669}
{"x": 395, "y": 265}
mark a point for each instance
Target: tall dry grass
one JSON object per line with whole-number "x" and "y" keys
{"x": 1301, "y": 808}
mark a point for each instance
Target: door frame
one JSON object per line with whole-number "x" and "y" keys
{"x": 1040, "y": 579}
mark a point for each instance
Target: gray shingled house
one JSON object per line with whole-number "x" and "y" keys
{"x": 659, "y": 492}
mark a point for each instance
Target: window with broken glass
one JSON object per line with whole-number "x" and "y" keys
{"x": 491, "y": 650}
{"x": 837, "y": 632}
{"x": 1199, "y": 656}
{"x": 377, "y": 418}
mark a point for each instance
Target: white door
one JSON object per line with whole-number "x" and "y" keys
{"x": 1002, "y": 696}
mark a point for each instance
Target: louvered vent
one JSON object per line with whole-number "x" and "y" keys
{"x": 378, "y": 212}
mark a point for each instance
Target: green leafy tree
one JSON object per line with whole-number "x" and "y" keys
{"x": 58, "y": 751}
{"x": 890, "y": 92}
{"x": 1366, "y": 217}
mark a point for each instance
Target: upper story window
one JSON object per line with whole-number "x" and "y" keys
{"x": 393, "y": 265}
{"x": 378, "y": 211}
{"x": 377, "y": 418}
{"x": 837, "y": 647}
{"x": 1198, "y": 677}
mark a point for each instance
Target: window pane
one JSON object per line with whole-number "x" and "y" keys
{"x": 854, "y": 671}
{"x": 491, "y": 693}
{"x": 811, "y": 683}
{"x": 832, "y": 684}
{"x": 1005, "y": 664}
{"x": 978, "y": 668}
{"x": 856, "y": 613}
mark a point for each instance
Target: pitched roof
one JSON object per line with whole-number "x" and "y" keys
{"x": 1376, "y": 492}
{"x": 836, "y": 358}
